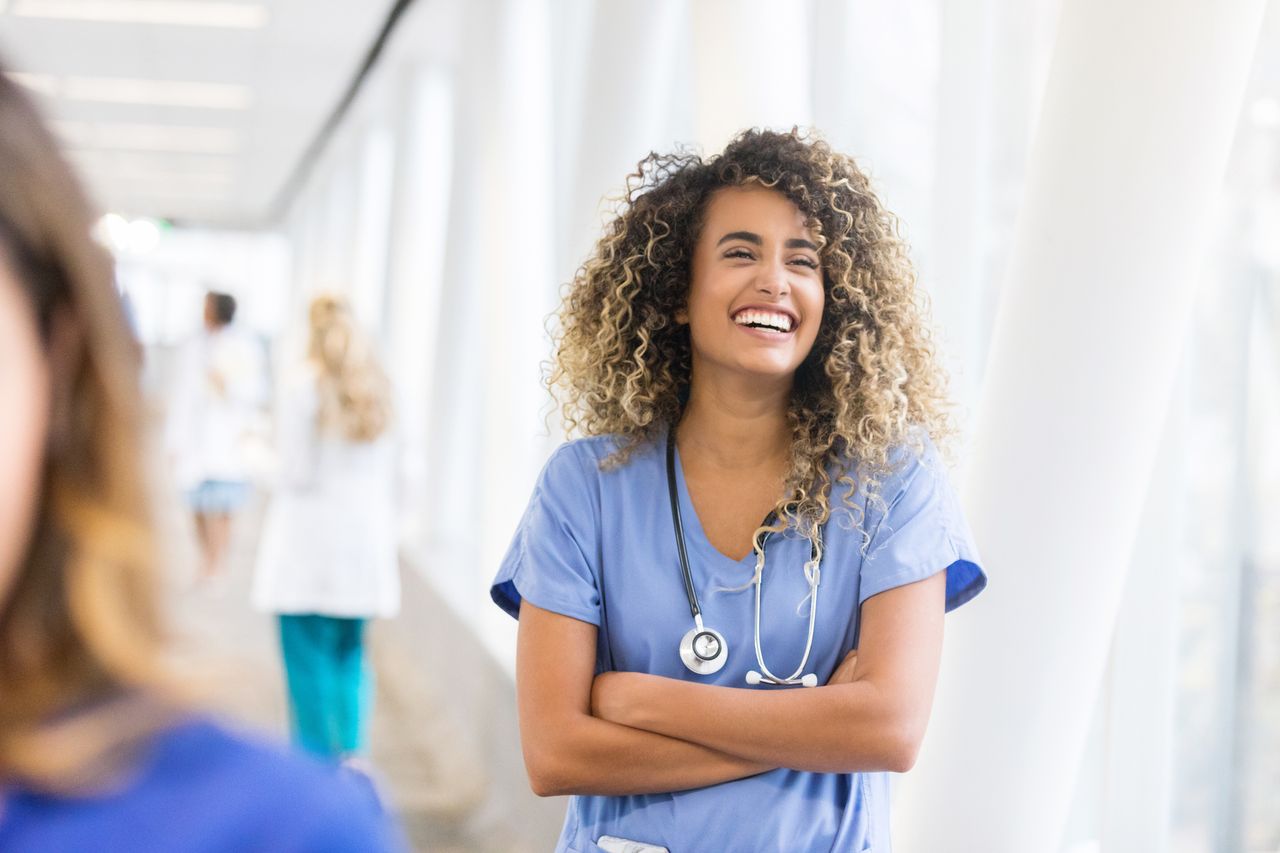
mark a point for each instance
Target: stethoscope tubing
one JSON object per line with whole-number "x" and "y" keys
{"x": 678, "y": 523}
{"x": 813, "y": 573}
{"x": 795, "y": 677}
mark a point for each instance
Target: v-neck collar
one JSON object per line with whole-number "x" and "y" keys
{"x": 693, "y": 530}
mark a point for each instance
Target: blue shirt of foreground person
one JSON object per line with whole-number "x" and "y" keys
{"x": 198, "y": 788}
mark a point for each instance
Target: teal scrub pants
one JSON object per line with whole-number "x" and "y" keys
{"x": 329, "y": 682}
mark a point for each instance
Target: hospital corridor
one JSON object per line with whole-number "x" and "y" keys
{"x": 391, "y": 393}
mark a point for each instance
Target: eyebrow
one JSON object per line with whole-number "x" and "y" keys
{"x": 753, "y": 238}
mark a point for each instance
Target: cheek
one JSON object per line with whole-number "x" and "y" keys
{"x": 704, "y": 305}
{"x": 23, "y": 429}
{"x": 813, "y": 306}
{"x": 703, "y": 295}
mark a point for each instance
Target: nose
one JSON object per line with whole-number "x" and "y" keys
{"x": 772, "y": 280}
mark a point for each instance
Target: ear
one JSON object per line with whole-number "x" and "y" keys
{"x": 682, "y": 317}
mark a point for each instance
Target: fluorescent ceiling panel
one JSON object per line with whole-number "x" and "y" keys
{"x": 148, "y": 137}
{"x": 170, "y": 193}
{"x": 126, "y": 90}
{"x": 44, "y": 84}
{"x": 105, "y": 171}
{"x": 135, "y": 162}
{"x": 169, "y": 93}
{"x": 186, "y": 13}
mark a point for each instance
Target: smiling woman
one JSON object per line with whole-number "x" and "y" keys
{"x": 745, "y": 344}
{"x": 755, "y": 297}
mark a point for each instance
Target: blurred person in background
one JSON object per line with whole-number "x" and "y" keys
{"x": 745, "y": 344}
{"x": 328, "y": 559}
{"x": 98, "y": 748}
{"x": 220, "y": 386}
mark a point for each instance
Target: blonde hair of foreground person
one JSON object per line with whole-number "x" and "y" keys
{"x": 79, "y": 627}
{"x": 355, "y": 396}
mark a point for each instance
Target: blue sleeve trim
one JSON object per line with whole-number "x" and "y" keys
{"x": 507, "y": 596}
{"x": 965, "y": 579}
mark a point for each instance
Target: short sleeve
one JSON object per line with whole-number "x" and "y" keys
{"x": 552, "y": 560}
{"x": 922, "y": 532}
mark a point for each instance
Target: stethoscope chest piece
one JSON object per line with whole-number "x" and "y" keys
{"x": 703, "y": 650}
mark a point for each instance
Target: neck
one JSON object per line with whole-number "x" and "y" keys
{"x": 739, "y": 423}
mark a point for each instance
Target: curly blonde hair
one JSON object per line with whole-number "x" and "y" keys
{"x": 355, "y": 395}
{"x": 869, "y": 385}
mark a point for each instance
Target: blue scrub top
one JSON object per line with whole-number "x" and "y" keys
{"x": 583, "y": 524}
{"x": 199, "y": 788}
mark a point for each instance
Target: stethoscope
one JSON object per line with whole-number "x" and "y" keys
{"x": 704, "y": 650}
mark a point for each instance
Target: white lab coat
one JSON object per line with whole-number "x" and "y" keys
{"x": 210, "y": 418}
{"x": 329, "y": 538}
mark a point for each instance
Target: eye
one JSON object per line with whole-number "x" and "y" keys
{"x": 743, "y": 254}
{"x": 806, "y": 262}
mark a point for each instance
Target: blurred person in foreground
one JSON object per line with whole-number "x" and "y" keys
{"x": 327, "y": 562}
{"x": 98, "y": 751}
{"x": 220, "y": 384}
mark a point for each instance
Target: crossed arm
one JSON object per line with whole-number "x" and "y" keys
{"x": 633, "y": 733}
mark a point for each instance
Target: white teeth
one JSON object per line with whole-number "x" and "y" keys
{"x": 778, "y": 321}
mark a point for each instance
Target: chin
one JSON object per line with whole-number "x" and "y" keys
{"x": 770, "y": 372}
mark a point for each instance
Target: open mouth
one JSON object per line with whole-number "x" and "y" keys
{"x": 772, "y": 321}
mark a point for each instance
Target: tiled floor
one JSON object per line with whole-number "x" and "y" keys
{"x": 230, "y": 654}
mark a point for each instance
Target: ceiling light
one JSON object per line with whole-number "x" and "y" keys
{"x": 191, "y": 194}
{"x": 148, "y": 137}
{"x": 44, "y": 84}
{"x": 247, "y": 16}
{"x": 128, "y": 236}
{"x": 137, "y": 162}
{"x": 113, "y": 230}
{"x": 143, "y": 236}
{"x": 178, "y": 181}
{"x": 170, "y": 93}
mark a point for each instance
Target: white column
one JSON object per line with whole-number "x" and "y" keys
{"x": 1234, "y": 578}
{"x": 962, "y": 180}
{"x": 455, "y": 441}
{"x": 375, "y": 162}
{"x": 751, "y": 66}
{"x": 334, "y": 254}
{"x": 1137, "y": 782}
{"x": 415, "y": 307}
{"x": 875, "y": 89}
{"x": 1128, "y": 159}
{"x": 629, "y": 107}
{"x": 306, "y": 234}
{"x": 518, "y": 292}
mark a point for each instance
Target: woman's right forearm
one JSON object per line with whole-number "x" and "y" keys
{"x": 569, "y": 751}
{"x": 587, "y": 755}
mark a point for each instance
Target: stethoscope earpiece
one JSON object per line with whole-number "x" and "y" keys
{"x": 754, "y": 678}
